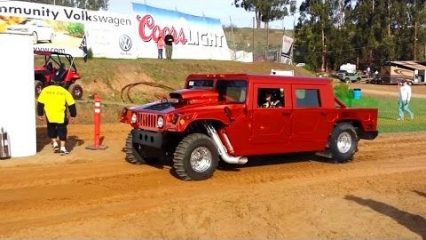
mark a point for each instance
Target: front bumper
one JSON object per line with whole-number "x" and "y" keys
{"x": 369, "y": 135}
{"x": 148, "y": 138}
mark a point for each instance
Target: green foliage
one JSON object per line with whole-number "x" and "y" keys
{"x": 75, "y": 29}
{"x": 266, "y": 10}
{"x": 343, "y": 93}
{"x": 367, "y": 33}
{"x": 90, "y": 53}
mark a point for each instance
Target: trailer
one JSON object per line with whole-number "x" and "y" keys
{"x": 394, "y": 71}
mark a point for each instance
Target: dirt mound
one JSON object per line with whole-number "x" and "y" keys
{"x": 96, "y": 194}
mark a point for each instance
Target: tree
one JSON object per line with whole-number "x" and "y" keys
{"x": 86, "y": 4}
{"x": 318, "y": 14}
{"x": 365, "y": 32}
{"x": 265, "y": 10}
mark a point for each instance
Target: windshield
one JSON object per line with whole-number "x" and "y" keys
{"x": 200, "y": 83}
{"x": 232, "y": 90}
{"x": 229, "y": 90}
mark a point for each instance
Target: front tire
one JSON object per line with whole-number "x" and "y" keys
{"x": 76, "y": 91}
{"x": 38, "y": 86}
{"x": 195, "y": 158}
{"x": 133, "y": 156}
{"x": 343, "y": 143}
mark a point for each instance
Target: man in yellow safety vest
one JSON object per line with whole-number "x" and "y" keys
{"x": 53, "y": 102}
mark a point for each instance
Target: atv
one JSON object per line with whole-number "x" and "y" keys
{"x": 57, "y": 67}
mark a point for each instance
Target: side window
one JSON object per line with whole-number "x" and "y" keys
{"x": 270, "y": 97}
{"x": 308, "y": 98}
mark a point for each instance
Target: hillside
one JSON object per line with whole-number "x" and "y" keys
{"x": 107, "y": 78}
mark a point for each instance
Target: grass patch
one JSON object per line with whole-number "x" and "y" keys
{"x": 388, "y": 110}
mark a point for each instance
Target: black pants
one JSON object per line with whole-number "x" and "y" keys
{"x": 55, "y": 130}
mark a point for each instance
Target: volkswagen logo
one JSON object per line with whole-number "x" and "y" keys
{"x": 125, "y": 43}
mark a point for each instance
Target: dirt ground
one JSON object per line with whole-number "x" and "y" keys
{"x": 97, "y": 195}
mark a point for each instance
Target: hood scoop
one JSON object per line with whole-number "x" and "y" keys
{"x": 195, "y": 96}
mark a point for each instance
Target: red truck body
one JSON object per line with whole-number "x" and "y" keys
{"x": 303, "y": 119}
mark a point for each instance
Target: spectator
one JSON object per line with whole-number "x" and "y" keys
{"x": 160, "y": 47}
{"x": 404, "y": 99}
{"x": 53, "y": 102}
{"x": 169, "y": 39}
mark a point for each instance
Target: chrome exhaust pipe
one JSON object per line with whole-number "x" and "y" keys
{"x": 223, "y": 152}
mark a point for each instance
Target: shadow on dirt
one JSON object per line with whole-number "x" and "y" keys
{"x": 43, "y": 140}
{"x": 252, "y": 162}
{"x": 422, "y": 194}
{"x": 74, "y": 141}
{"x": 413, "y": 222}
{"x": 273, "y": 160}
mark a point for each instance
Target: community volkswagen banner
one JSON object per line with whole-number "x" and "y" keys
{"x": 62, "y": 29}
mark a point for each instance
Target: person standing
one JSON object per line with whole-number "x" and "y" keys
{"x": 160, "y": 47}
{"x": 169, "y": 39}
{"x": 53, "y": 103}
{"x": 404, "y": 100}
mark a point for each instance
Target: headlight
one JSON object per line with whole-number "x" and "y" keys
{"x": 160, "y": 122}
{"x": 134, "y": 118}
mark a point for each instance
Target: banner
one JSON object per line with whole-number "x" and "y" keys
{"x": 110, "y": 35}
{"x": 195, "y": 37}
{"x": 61, "y": 29}
{"x": 287, "y": 50}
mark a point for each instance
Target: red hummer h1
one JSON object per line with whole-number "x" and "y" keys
{"x": 229, "y": 117}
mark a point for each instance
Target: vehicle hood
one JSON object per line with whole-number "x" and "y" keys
{"x": 181, "y": 99}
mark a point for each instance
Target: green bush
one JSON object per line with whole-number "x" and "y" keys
{"x": 75, "y": 29}
{"x": 90, "y": 53}
{"x": 344, "y": 94}
{"x": 309, "y": 68}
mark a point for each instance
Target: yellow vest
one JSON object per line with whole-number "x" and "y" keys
{"x": 55, "y": 99}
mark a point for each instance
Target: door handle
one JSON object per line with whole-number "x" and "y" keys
{"x": 286, "y": 113}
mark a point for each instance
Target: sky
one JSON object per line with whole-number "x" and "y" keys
{"x": 222, "y": 9}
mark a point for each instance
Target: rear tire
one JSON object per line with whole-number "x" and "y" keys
{"x": 133, "y": 156}
{"x": 343, "y": 143}
{"x": 195, "y": 157}
{"x": 76, "y": 91}
{"x": 38, "y": 87}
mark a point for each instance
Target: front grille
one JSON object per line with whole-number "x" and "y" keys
{"x": 147, "y": 121}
